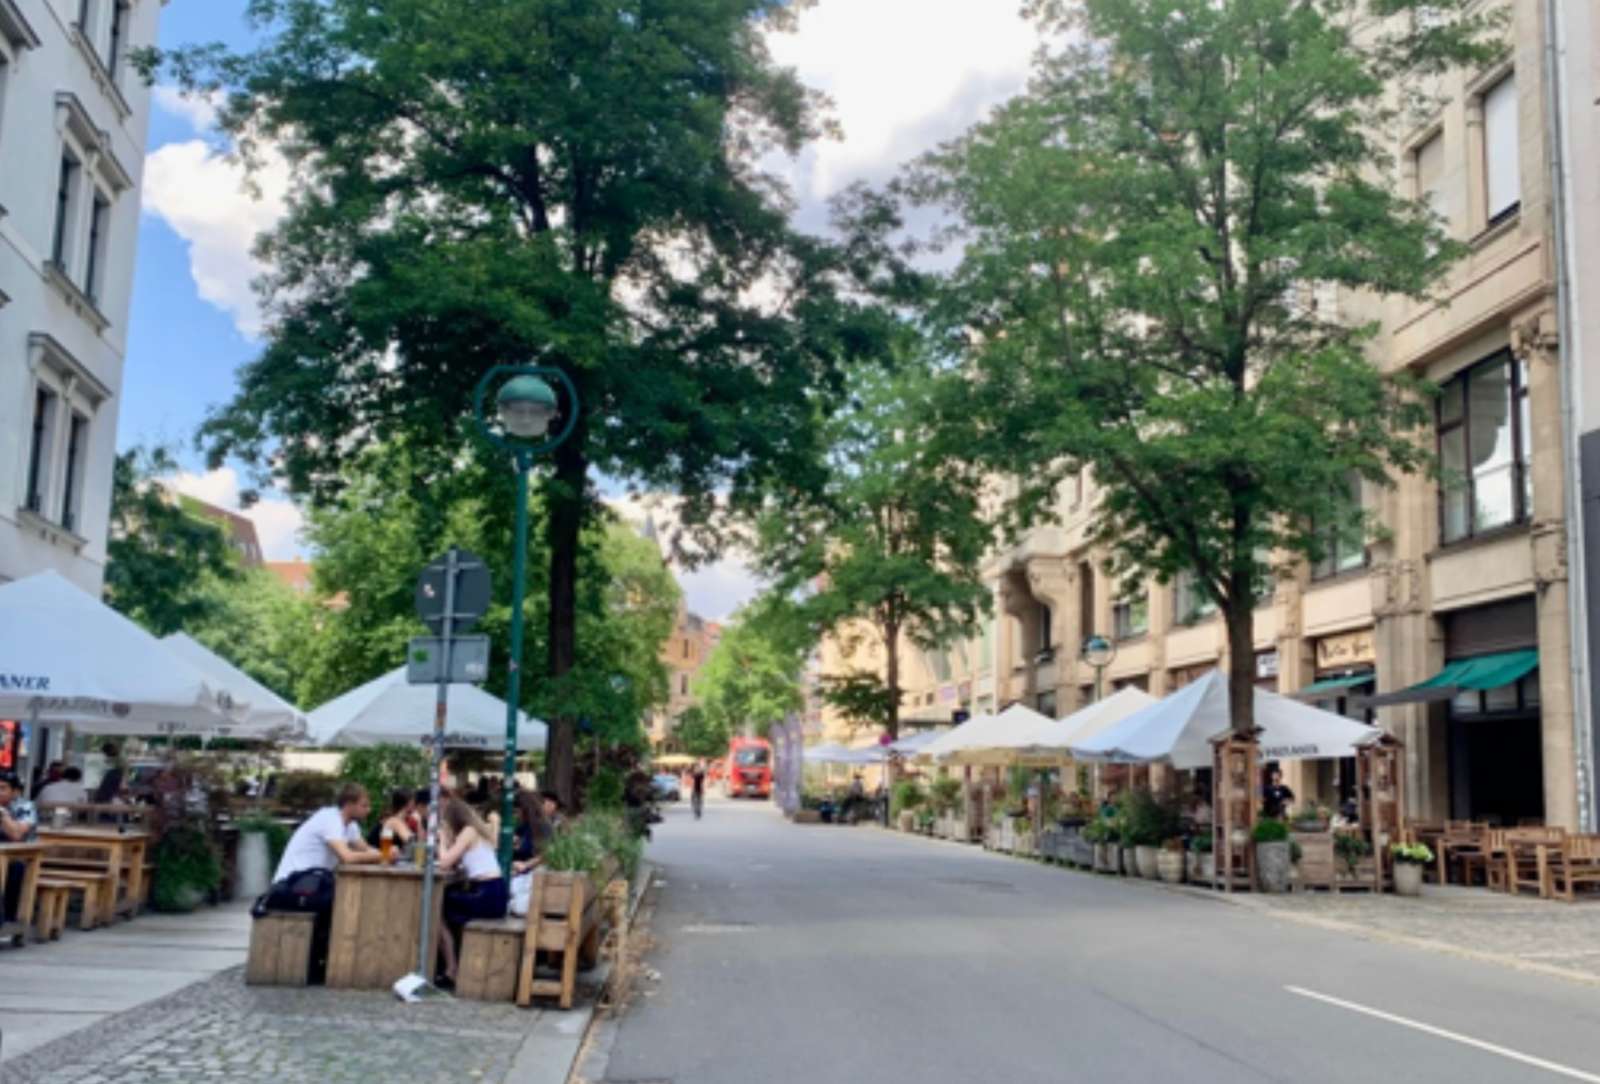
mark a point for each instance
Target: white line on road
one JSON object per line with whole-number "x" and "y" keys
{"x": 1465, "y": 1040}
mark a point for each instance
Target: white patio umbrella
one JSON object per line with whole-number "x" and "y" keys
{"x": 390, "y": 710}
{"x": 1054, "y": 737}
{"x": 916, "y": 744}
{"x": 269, "y": 717}
{"x": 987, "y": 738}
{"x": 65, "y": 656}
{"x": 1179, "y": 729}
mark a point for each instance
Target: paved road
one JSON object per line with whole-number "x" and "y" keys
{"x": 821, "y": 954}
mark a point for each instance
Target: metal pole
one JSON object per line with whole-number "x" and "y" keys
{"x": 514, "y": 675}
{"x": 1099, "y": 683}
{"x": 441, "y": 710}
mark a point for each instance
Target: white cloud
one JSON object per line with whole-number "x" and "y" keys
{"x": 278, "y": 521}
{"x": 203, "y": 196}
{"x": 714, "y": 590}
{"x": 904, "y": 75}
{"x": 199, "y": 110}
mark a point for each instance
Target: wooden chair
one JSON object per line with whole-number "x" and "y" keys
{"x": 1490, "y": 857}
{"x": 1461, "y": 844}
{"x": 1526, "y": 858}
{"x": 1576, "y": 862}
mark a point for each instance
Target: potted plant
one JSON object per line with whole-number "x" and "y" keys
{"x": 1350, "y": 848}
{"x": 188, "y": 868}
{"x": 1169, "y": 860}
{"x": 1206, "y": 862}
{"x": 1311, "y": 818}
{"x": 1409, "y": 861}
{"x": 1146, "y": 823}
{"x": 906, "y": 799}
{"x": 261, "y": 843}
{"x": 1273, "y": 857}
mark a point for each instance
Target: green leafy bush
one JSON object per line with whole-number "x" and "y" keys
{"x": 908, "y": 795}
{"x": 1351, "y": 847}
{"x": 573, "y": 851}
{"x": 945, "y": 794}
{"x": 1270, "y": 830}
{"x": 188, "y": 868}
{"x": 1146, "y": 820}
{"x": 1201, "y": 844}
{"x": 605, "y": 790}
{"x": 304, "y": 792}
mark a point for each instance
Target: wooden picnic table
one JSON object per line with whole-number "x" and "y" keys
{"x": 124, "y": 851}
{"x": 32, "y": 854}
{"x": 377, "y": 922}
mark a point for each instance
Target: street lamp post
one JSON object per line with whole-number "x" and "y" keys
{"x": 1099, "y": 652}
{"x": 525, "y": 408}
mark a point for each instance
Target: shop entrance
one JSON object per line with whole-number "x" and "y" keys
{"x": 1497, "y": 770}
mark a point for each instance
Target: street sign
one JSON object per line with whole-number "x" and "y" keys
{"x": 469, "y": 660}
{"x": 472, "y": 592}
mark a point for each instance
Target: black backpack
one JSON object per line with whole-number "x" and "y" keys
{"x": 310, "y": 890}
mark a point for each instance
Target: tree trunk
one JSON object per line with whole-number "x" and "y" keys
{"x": 1240, "y": 617}
{"x": 891, "y": 643}
{"x": 564, "y": 524}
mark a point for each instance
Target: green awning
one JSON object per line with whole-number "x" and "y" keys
{"x": 1320, "y": 689}
{"x": 1466, "y": 675}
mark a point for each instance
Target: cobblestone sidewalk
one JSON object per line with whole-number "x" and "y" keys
{"x": 1534, "y": 932}
{"x": 223, "y": 1030}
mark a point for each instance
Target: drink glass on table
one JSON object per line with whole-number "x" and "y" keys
{"x": 386, "y": 845}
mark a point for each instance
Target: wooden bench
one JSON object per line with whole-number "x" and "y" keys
{"x": 280, "y": 949}
{"x": 50, "y": 908}
{"x": 112, "y": 896}
{"x": 491, "y": 958}
{"x": 98, "y": 889}
{"x": 1574, "y": 863}
{"x": 1526, "y": 858}
{"x": 565, "y": 920}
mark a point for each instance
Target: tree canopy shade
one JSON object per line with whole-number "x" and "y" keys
{"x": 488, "y": 181}
{"x": 893, "y": 537}
{"x": 752, "y": 678}
{"x": 1150, "y": 235}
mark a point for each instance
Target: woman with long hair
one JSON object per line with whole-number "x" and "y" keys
{"x": 469, "y": 845}
{"x": 533, "y": 831}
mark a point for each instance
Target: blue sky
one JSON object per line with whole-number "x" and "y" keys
{"x": 194, "y": 314}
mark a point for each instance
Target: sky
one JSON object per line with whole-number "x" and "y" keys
{"x": 904, "y": 75}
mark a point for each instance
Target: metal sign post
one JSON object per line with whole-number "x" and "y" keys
{"x": 441, "y": 711}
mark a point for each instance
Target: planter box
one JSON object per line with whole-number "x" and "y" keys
{"x": 806, "y": 816}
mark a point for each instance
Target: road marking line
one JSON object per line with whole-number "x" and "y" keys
{"x": 1466, "y": 1040}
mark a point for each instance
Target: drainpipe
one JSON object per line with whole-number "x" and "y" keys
{"x": 1558, "y": 115}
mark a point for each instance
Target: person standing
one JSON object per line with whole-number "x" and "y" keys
{"x": 110, "y": 787}
{"x": 697, "y": 791}
{"x": 1275, "y": 797}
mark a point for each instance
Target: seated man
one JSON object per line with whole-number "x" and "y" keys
{"x": 304, "y": 880}
{"x": 18, "y": 824}
{"x": 68, "y": 790}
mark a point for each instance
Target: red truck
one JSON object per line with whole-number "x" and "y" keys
{"x": 749, "y": 768}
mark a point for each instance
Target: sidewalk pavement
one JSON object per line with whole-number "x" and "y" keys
{"x": 51, "y": 990}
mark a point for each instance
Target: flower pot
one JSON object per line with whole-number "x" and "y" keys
{"x": 1128, "y": 863}
{"x": 1273, "y": 866}
{"x": 1407, "y": 879}
{"x": 1170, "y": 865}
{"x": 253, "y": 868}
{"x": 1191, "y": 865}
{"x": 908, "y": 820}
{"x": 1208, "y": 867}
{"x": 1145, "y": 858}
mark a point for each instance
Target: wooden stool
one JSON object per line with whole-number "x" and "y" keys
{"x": 50, "y": 909}
{"x": 280, "y": 949}
{"x": 96, "y": 889}
{"x": 491, "y": 957}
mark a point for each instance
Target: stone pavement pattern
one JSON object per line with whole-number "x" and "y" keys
{"x": 1533, "y": 931}
{"x": 223, "y": 1030}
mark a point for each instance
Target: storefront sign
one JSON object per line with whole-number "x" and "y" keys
{"x": 1347, "y": 649}
{"x": 25, "y": 683}
{"x": 1266, "y": 665}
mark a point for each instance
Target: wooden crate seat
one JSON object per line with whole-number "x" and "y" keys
{"x": 491, "y": 957}
{"x": 280, "y": 949}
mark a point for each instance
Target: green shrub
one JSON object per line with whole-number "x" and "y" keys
{"x": 573, "y": 851}
{"x": 1202, "y": 844}
{"x": 945, "y": 795}
{"x": 1146, "y": 820}
{"x": 188, "y": 868}
{"x": 908, "y": 795}
{"x": 304, "y": 792}
{"x": 605, "y": 790}
{"x": 1351, "y": 847}
{"x": 1270, "y": 830}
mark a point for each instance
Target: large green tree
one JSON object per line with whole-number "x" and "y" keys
{"x": 752, "y": 678}
{"x": 490, "y": 181}
{"x": 164, "y": 559}
{"x": 893, "y": 537}
{"x": 1150, "y": 236}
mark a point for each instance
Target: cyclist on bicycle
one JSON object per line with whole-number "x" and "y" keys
{"x": 697, "y": 794}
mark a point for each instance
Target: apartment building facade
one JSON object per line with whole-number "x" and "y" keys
{"x": 1470, "y": 573}
{"x": 73, "y": 121}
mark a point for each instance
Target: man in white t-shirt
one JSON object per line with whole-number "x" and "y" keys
{"x": 68, "y": 790}
{"x": 331, "y": 837}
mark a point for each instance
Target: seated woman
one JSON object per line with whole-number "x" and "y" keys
{"x": 470, "y": 846}
{"x": 533, "y": 830}
{"x": 397, "y": 820}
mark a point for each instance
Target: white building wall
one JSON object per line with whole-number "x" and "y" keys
{"x": 63, "y": 91}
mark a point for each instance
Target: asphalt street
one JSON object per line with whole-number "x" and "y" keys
{"x": 826, "y": 954}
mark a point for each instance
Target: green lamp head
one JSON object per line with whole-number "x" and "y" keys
{"x": 527, "y": 406}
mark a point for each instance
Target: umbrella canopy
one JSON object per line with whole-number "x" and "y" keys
{"x": 269, "y": 717}
{"x": 65, "y": 656}
{"x": 834, "y": 753}
{"x": 987, "y": 737}
{"x": 1054, "y": 737}
{"x": 390, "y": 710}
{"x": 916, "y": 743}
{"x": 672, "y": 760}
{"x": 1180, "y": 728}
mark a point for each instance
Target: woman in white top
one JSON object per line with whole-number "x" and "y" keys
{"x": 468, "y": 844}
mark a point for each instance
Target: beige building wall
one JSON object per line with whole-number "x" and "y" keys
{"x": 684, "y": 653}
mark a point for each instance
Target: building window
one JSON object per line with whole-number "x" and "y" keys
{"x": 44, "y": 429}
{"x": 1046, "y": 642}
{"x": 1341, "y": 550}
{"x": 683, "y": 684}
{"x": 1047, "y": 703}
{"x": 66, "y": 197}
{"x": 1483, "y": 449}
{"x": 1428, "y": 160}
{"x": 77, "y": 453}
{"x": 686, "y": 647}
{"x": 119, "y": 37}
{"x": 99, "y": 229}
{"x": 1501, "y": 150}
{"x": 1190, "y": 602}
{"x": 1086, "y": 627}
{"x": 1130, "y": 614}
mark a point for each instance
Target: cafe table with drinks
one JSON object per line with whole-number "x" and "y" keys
{"x": 377, "y": 917}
